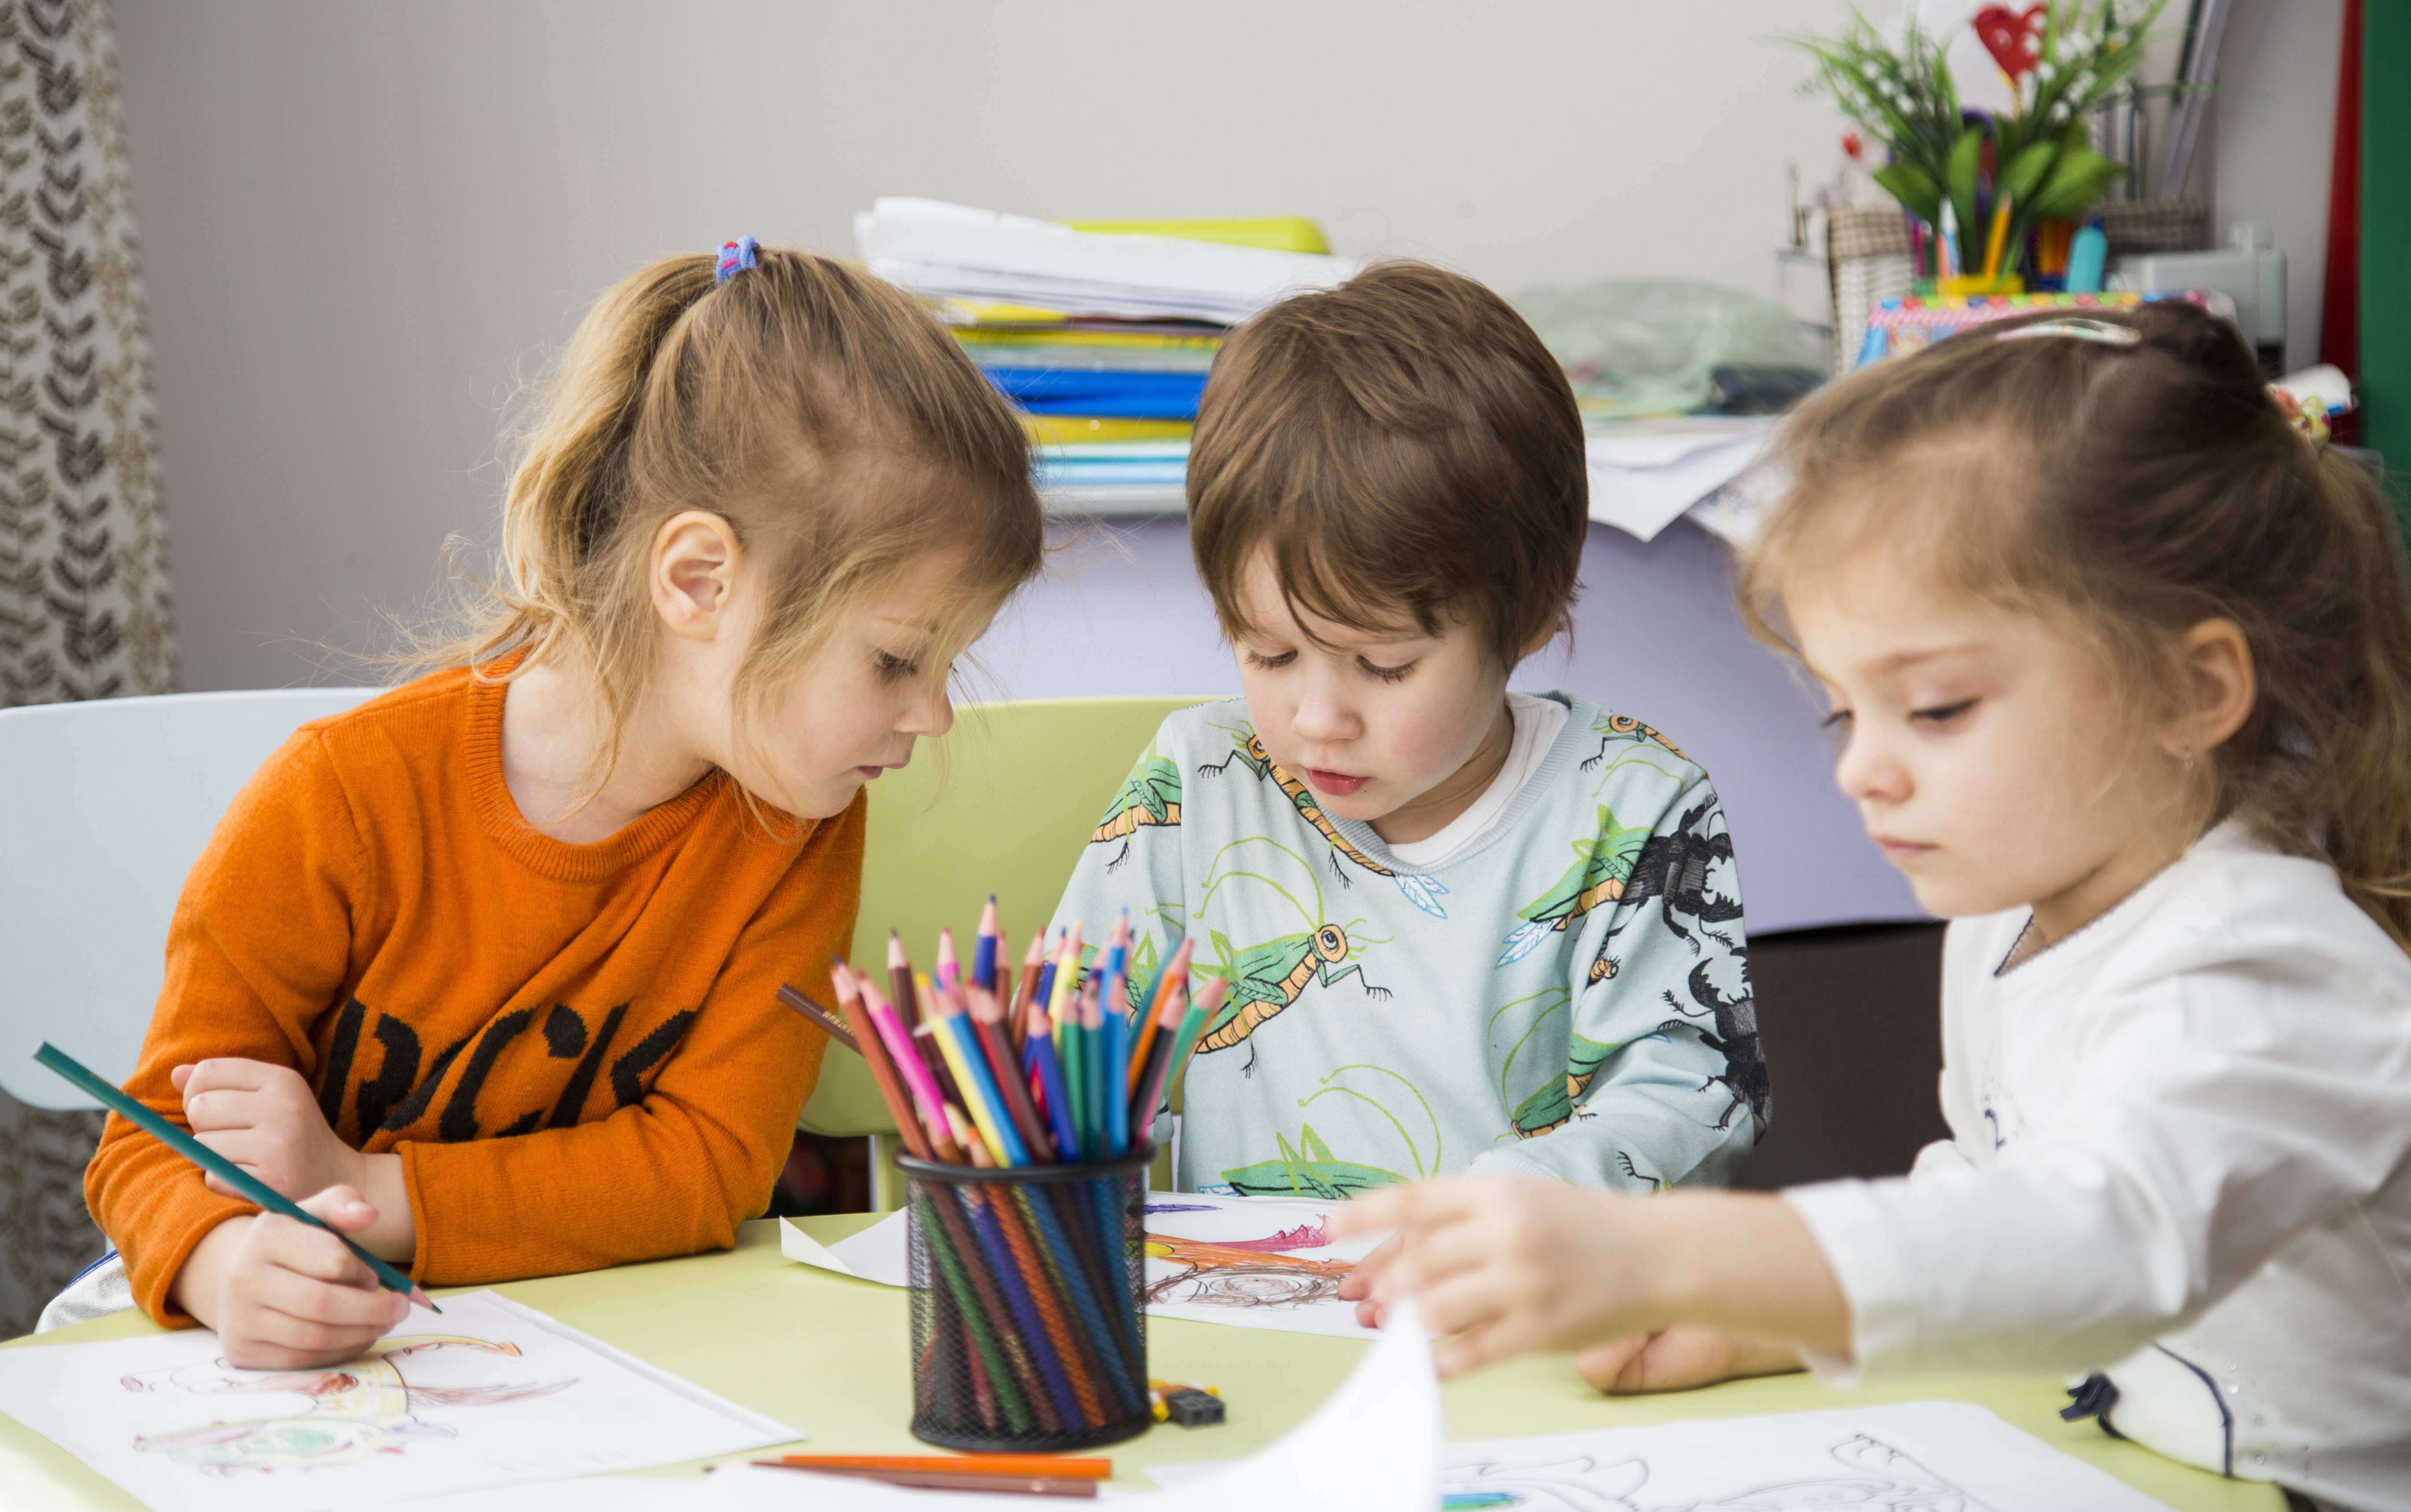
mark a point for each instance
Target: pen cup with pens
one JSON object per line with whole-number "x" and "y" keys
{"x": 1025, "y": 1113}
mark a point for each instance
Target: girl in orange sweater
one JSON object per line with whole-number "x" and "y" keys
{"x": 483, "y": 971}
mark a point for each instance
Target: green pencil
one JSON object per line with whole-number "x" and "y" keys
{"x": 248, "y": 1186}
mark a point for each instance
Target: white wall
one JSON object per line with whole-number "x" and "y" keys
{"x": 360, "y": 220}
{"x": 2275, "y": 108}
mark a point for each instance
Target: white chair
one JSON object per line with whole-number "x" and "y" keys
{"x": 104, "y": 806}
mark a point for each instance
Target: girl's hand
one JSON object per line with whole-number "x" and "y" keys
{"x": 266, "y": 1119}
{"x": 1679, "y": 1357}
{"x": 282, "y": 1295}
{"x": 1358, "y": 1287}
{"x": 1509, "y": 1265}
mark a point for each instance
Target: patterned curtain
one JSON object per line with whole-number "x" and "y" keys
{"x": 83, "y": 572}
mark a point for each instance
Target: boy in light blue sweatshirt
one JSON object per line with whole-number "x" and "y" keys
{"x": 1462, "y": 929}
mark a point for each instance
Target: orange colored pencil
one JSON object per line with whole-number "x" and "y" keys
{"x": 1174, "y": 971}
{"x": 1091, "y": 1468}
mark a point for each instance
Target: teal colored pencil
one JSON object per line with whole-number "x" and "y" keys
{"x": 245, "y": 1184}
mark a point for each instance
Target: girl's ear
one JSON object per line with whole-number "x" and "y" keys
{"x": 2216, "y": 688}
{"x": 695, "y": 564}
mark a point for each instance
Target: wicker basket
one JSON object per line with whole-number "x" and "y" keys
{"x": 2154, "y": 225}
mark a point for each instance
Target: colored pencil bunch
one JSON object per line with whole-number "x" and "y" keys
{"x": 1027, "y": 1126}
{"x": 1062, "y": 1073}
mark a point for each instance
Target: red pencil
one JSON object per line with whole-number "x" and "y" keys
{"x": 1033, "y": 964}
{"x": 899, "y": 982}
{"x": 874, "y": 1055}
{"x": 987, "y": 1027}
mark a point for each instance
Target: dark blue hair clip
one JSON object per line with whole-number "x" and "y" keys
{"x": 734, "y": 256}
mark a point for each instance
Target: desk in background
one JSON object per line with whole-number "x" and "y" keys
{"x": 1657, "y": 636}
{"x": 827, "y": 1355}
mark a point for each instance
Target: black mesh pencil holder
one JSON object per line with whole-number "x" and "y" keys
{"x": 1028, "y": 1329}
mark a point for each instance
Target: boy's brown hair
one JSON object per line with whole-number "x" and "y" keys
{"x": 1405, "y": 449}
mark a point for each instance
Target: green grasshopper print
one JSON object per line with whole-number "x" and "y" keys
{"x": 1554, "y": 1103}
{"x": 1264, "y": 980}
{"x": 1603, "y": 862}
{"x": 1150, "y": 795}
{"x": 1612, "y": 728}
{"x": 1308, "y": 1168}
{"x": 1423, "y": 891}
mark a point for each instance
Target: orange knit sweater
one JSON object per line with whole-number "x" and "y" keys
{"x": 575, "y": 1049}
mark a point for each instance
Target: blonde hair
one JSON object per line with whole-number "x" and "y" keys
{"x": 821, "y": 412}
{"x": 2142, "y": 488}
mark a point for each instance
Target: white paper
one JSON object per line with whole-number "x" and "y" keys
{"x": 875, "y": 1254}
{"x": 940, "y": 249}
{"x": 1372, "y": 1447}
{"x": 1916, "y": 1457}
{"x": 488, "y": 1393}
{"x": 1644, "y": 443}
{"x": 1251, "y": 1262}
{"x": 1644, "y": 501}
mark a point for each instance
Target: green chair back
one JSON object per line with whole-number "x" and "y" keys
{"x": 1005, "y": 804}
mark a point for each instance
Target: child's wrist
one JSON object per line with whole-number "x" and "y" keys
{"x": 198, "y": 1282}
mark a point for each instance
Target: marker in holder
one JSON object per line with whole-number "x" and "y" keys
{"x": 1028, "y": 1327}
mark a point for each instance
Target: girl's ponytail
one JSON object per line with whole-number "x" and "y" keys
{"x": 571, "y": 481}
{"x": 2358, "y": 810}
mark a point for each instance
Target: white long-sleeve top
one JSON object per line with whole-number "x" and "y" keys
{"x": 2177, "y": 1158}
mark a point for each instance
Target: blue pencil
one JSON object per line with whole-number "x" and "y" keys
{"x": 1117, "y": 1108}
{"x": 1058, "y": 1102}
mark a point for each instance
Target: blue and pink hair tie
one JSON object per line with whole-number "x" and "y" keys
{"x": 734, "y": 257}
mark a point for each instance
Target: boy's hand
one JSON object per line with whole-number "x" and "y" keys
{"x": 282, "y": 1295}
{"x": 1679, "y": 1357}
{"x": 265, "y": 1118}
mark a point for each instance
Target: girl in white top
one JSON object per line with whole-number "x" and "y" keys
{"x": 2120, "y": 660}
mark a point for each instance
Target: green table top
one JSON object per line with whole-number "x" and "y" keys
{"x": 827, "y": 1354}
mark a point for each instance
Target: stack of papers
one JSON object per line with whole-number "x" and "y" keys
{"x": 1644, "y": 475}
{"x": 1102, "y": 338}
{"x": 935, "y": 248}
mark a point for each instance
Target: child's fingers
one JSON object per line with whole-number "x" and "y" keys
{"x": 1467, "y": 1302}
{"x": 213, "y": 1110}
{"x": 317, "y": 1339}
{"x": 1435, "y": 1256}
{"x": 228, "y": 1073}
{"x": 1358, "y": 1284}
{"x": 1472, "y": 1350}
{"x": 323, "y": 1306}
{"x": 1607, "y": 1366}
{"x": 342, "y": 1206}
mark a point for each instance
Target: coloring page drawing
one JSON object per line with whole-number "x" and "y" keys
{"x": 1918, "y": 1457}
{"x": 487, "y": 1393}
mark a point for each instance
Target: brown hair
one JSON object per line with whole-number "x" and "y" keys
{"x": 822, "y": 412}
{"x": 1405, "y": 447}
{"x": 2142, "y": 488}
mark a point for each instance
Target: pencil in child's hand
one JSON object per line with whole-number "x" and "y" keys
{"x": 247, "y": 1186}
{"x": 821, "y": 1018}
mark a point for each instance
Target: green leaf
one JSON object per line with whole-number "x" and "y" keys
{"x": 1913, "y": 187}
{"x": 1965, "y": 156}
{"x": 2076, "y": 180}
{"x": 2026, "y": 170}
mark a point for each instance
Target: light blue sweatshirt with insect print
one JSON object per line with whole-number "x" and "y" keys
{"x": 1569, "y": 996}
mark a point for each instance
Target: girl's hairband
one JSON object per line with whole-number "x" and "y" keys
{"x": 734, "y": 256}
{"x": 2306, "y": 415}
{"x": 2078, "y": 328}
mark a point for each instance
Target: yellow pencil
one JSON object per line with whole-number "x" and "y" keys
{"x": 1998, "y": 240}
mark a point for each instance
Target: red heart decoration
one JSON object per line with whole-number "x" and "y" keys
{"x": 2014, "y": 39}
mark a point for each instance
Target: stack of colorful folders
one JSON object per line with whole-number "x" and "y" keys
{"x": 1101, "y": 332}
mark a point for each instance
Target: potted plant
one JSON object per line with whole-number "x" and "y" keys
{"x": 2064, "y": 59}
